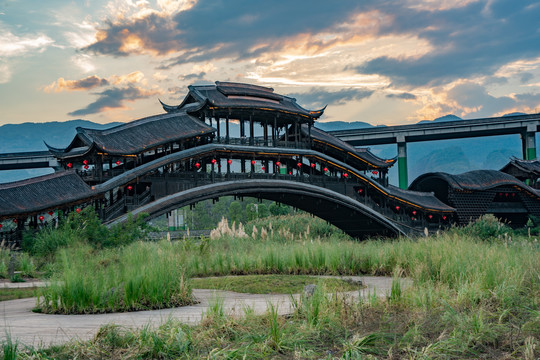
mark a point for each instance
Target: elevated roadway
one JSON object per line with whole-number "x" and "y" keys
{"x": 524, "y": 125}
{"x": 28, "y": 160}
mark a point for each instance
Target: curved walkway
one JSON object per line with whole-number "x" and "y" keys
{"x": 43, "y": 330}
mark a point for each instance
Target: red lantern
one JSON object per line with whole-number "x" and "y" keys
{"x": 1, "y": 226}
{"x": 197, "y": 165}
{"x": 214, "y": 161}
{"x": 69, "y": 165}
{"x": 313, "y": 165}
{"x": 397, "y": 208}
{"x": 345, "y": 175}
{"x": 263, "y": 168}
{"x": 85, "y": 162}
{"x": 78, "y": 210}
{"x": 290, "y": 172}
{"x": 41, "y": 217}
{"x": 252, "y": 162}
{"x": 278, "y": 163}
{"x": 360, "y": 191}
{"x": 325, "y": 169}
{"x": 15, "y": 221}
{"x": 414, "y": 212}
{"x": 444, "y": 217}
{"x": 299, "y": 164}
{"x": 229, "y": 161}
{"x": 51, "y": 213}
{"x": 130, "y": 187}
{"x": 86, "y": 166}
{"x": 375, "y": 172}
{"x": 430, "y": 216}
{"x": 118, "y": 162}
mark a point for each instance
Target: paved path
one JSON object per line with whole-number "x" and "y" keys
{"x": 43, "y": 330}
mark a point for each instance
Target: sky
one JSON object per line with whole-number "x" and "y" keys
{"x": 377, "y": 61}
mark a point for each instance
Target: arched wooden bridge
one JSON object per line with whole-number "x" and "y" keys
{"x": 241, "y": 140}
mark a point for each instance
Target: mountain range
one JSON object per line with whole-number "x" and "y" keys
{"x": 452, "y": 156}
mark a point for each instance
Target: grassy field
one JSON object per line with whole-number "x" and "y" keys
{"x": 12, "y": 294}
{"x": 270, "y": 284}
{"x": 475, "y": 294}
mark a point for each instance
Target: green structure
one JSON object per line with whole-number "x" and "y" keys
{"x": 402, "y": 163}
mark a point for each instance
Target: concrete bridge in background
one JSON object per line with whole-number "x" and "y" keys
{"x": 524, "y": 125}
{"x": 28, "y": 160}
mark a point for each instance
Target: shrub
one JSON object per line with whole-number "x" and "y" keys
{"x": 487, "y": 227}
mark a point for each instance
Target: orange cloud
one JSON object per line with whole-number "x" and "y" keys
{"x": 87, "y": 83}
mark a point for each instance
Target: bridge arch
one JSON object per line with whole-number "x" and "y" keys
{"x": 351, "y": 216}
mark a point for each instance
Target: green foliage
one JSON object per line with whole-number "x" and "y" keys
{"x": 235, "y": 212}
{"x": 487, "y": 227}
{"x": 269, "y": 284}
{"x": 279, "y": 209}
{"x": 10, "y": 348}
{"x": 139, "y": 276}
{"x": 87, "y": 227}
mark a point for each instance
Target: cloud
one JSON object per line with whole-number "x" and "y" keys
{"x": 526, "y": 77}
{"x": 114, "y": 98}
{"x": 318, "y": 97}
{"x": 472, "y": 40}
{"x": 193, "y": 76}
{"x": 83, "y": 62}
{"x": 5, "y": 73}
{"x": 12, "y": 45}
{"x": 404, "y": 96}
{"x": 87, "y": 83}
{"x": 473, "y": 99}
{"x": 94, "y": 81}
{"x": 211, "y": 29}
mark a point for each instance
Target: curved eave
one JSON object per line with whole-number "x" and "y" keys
{"x": 269, "y": 109}
{"x": 169, "y": 108}
{"x": 62, "y": 154}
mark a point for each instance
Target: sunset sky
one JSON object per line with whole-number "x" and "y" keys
{"x": 378, "y": 61}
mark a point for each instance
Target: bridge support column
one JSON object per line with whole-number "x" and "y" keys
{"x": 528, "y": 141}
{"x": 402, "y": 163}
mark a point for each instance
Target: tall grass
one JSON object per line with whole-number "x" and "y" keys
{"x": 473, "y": 296}
{"x": 140, "y": 276}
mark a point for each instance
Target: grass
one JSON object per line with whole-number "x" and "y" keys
{"x": 270, "y": 284}
{"x": 473, "y": 297}
{"x": 141, "y": 276}
{"x": 20, "y": 293}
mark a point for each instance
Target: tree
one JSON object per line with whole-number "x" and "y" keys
{"x": 235, "y": 212}
{"x": 263, "y": 211}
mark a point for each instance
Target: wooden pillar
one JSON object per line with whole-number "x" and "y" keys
{"x": 265, "y": 132}
{"x": 296, "y": 134}
{"x": 227, "y": 129}
{"x": 274, "y": 132}
{"x": 218, "y": 129}
{"x": 251, "y": 131}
